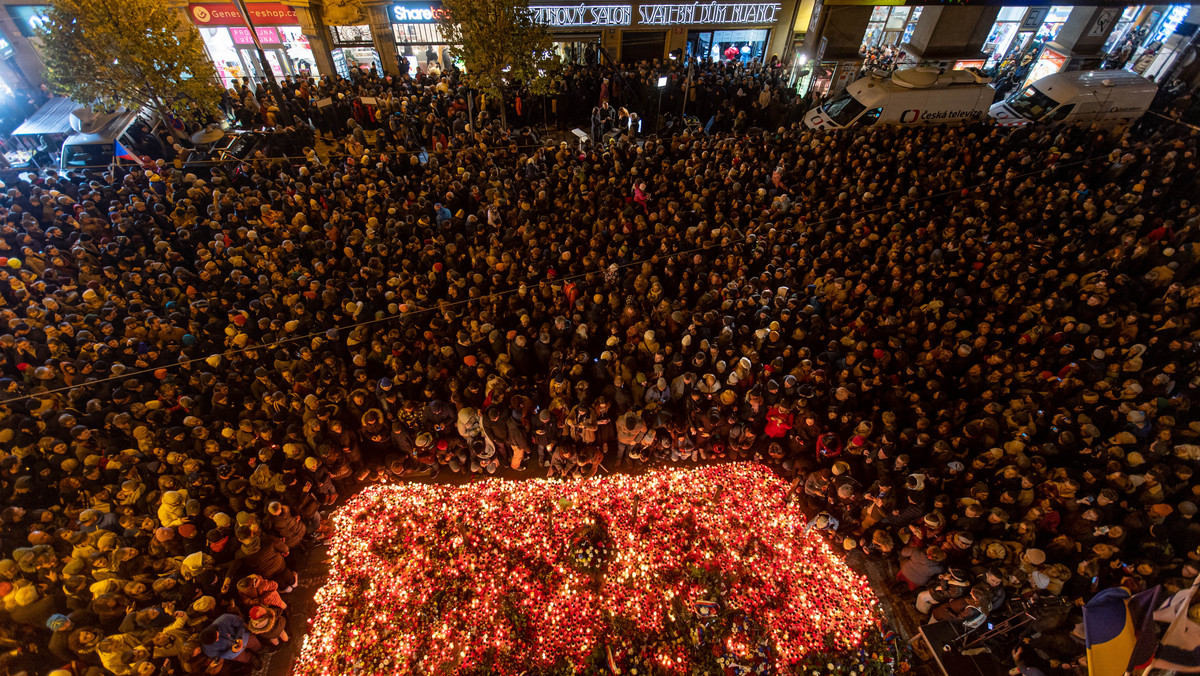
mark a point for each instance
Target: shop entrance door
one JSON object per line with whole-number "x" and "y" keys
{"x": 277, "y": 61}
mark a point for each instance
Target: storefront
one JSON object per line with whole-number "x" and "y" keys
{"x": 419, "y": 38}
{"x": 231, "y": 46}
{"x": 353, "y": 49}
{"x": 1004, "y": 31}
{"x": 1023, "y": 41}
{"x": 578, "y": 30}
{"x": 636, "y": 32}
{"x": 1166, "y": 34}
{"x": 890, "y": 26}
{"x": 729, "y": 45}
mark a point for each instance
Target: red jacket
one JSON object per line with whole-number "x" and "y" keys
{"x": 779, "y": 421}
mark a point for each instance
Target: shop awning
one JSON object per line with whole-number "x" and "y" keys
{"x": 52, "y": 118}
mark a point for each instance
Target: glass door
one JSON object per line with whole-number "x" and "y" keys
{"x": 277, "y": 61}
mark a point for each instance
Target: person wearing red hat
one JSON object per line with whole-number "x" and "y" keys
{"x": 268, "y": 625}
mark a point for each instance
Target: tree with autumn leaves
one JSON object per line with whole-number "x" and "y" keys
{"x": 501, "y": 47}
{"x": 129, "y": 53}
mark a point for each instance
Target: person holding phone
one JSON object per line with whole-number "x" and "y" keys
{"x": 227, "y": 638}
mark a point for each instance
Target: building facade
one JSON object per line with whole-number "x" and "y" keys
{"x": 1027, "y": 40}
{"x": 827, "y": 43}
{"x": 320, "y": 37}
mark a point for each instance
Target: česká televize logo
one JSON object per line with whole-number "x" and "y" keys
{"x": 915, "y": 115}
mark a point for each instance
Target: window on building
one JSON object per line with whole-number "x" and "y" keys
{"x": 1124, "y": 25}
{"x": 1053, "y": 23}
{"x": 740, "y": 45}
{"x": 890, "y": 26}
{"x": 1002, "y": 34}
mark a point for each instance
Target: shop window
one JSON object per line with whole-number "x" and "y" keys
{"x": 418, "y": 34}
{"x": 890, "y": 26}
{"x": 1170, "y": 22}
{"x": 643, "y": 46}
{"x": 353, "y": 49}
{"x": 1120, "y": 31}
{"x": 235, "y": 56}
{"x": 911, "y": 24}
{"x": 298, "y": 51}
{"x": 1053, "y": 24}
{"x": 1008, "y": 21}
{"x": 740, "y": 45}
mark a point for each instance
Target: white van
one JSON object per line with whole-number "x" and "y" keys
{"x": 911, "y": 96}
{"x": 94, "y": 143}
{"x": 1111, "y": 98}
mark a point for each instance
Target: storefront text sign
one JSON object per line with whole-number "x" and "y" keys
{"x": 417, "y": 12}
{"x": 266, "y": 35}
{"x": 708, "y": 13}
{"x": 212, "y": 14}
{"x": 582, "y": 15}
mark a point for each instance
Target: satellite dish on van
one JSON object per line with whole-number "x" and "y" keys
{"x": 208, "y": 134}
{"x": 916, "y": 78}
{"x": 87, "y": 121}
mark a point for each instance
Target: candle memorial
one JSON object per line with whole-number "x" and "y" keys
{"x": 659, "y": 573}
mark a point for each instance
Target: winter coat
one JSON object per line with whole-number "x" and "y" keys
{"x": 779, "y": 421}
{"x": 287, "y": 527}
{"x": 918, "y": 568}
{"x": 581, "y": 425}
{"x": 634, "y": 436}
{"x": 264, "y": 557}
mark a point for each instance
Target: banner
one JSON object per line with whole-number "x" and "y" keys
{"x": 261, "y": 13}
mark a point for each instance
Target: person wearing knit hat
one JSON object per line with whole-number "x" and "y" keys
{"x": 266, "y": 623}
{"x": 1033, "y": 557}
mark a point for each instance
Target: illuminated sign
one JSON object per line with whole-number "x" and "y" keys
{"x": 583, "y": 15}
{"x": 710, "y": 13}
{"x": 417, "y": 12}
{"x": 29, "y": 18}
{"x": 1049, "y": 63}
{"x": 271, "y": 13}
{"x": 1176, "y": 16}
{"x": 266, "y": 35}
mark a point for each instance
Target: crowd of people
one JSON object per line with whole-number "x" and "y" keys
{"x": 430, "y": 107}
{"x": 973, "y": 350}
